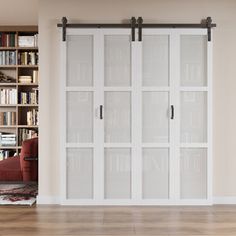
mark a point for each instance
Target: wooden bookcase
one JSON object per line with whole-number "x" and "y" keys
{"x": 14, "y": 71}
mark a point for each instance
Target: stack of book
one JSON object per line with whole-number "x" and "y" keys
{"x": 28, "y": 41}
{"x": 4, "y": 154}
{"x": 8, "y": 118}
{"x": 7, "y": 58}
{"x": 32, "y": 117}
{"x": 28, "y": 58}
{"x": 29, "y": 97}
{"x": 25, "y": 134}
{"x": 8, "y": 96}
{"x": 7, "y": 139}
{"x": 25, "y": 79}
{"x": 7, "y": 39}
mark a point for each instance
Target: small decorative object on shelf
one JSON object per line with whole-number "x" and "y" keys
{"x": 6, "y": 79}
{"x": 18, "y": 87}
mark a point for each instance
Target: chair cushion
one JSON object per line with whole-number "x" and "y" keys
{"x": 10, "y": 169}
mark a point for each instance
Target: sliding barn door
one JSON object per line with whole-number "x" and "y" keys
{"x": 194, "y": 99}
{"x": 156, "y": 96}
{"x": 118, "y": 116}
{"x": 136, "y": 117}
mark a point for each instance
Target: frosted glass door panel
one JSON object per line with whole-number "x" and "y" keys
{"x": 79, "y": 117}
{"x": 117, "y": 117}
{"x": 193, "y": 125}
{"x": 155, "y": 117}
{"x": 155, "y": 60}
{"x": 193, "y": 169}
{"x": 79, "y": 173}
{"x": 155, "y": 173}
{"x": 79, "y": 60}
{"x": 193, "y": 59}
{"x": 117, "y": 60}
{"x": 117, "y": 173}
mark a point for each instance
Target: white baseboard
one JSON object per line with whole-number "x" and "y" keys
{"x": 41, "y": 200}
{"x": 224, "y": 200}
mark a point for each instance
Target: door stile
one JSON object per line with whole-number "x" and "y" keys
{"x": 98, "y": 65}
{"x": 136, "y": 73}
{"x": 209, "y": 122}
{"x": 175, "y": 122}
{"x": 63, "y": 162}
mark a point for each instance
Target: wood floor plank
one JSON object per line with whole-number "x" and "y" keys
{"x": 108, "y": 221}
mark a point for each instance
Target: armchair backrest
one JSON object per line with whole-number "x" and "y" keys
{"x": 29, "y": 169}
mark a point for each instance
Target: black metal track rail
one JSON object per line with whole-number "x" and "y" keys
{"x": 206, "y": 24}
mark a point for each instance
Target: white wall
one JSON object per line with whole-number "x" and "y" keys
{"x": 162, "y": 11}
{"x": 18, "y": 12}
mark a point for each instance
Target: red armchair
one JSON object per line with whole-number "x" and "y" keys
{"x": 23, "y": 167}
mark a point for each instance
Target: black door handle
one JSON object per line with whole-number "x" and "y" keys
{"x": 172, "y": 112}
{"x": 101, "y": 112}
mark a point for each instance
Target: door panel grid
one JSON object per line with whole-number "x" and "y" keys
{"x": 152, "y": 140}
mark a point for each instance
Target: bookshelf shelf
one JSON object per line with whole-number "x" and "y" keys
{"x": 29, "y": 84}
{"x": 27, "y": 105}
{"x": 7, "y": 48}
{"x": 8, "y": 126}
{"x": 8, "y": 66}
{"x": 8, "y": 105}
{"x": 27, "y": 48}
{"x": 27, "y": 126}
{"x": 8, "y": 84}
{"x": 18, "y": 62}
{"x": 8, "y": 147}
{"x": 27, "y": 66}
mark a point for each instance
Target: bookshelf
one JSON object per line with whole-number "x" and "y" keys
{"x": 18, "y": 87}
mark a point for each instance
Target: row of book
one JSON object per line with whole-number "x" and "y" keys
{"x": 4, "y": 154}
{"x": 8, "y": 118}
{"x": 7, "y": 39}
{"x": 8, "y": 96}
{"x": 7, "y": 57}
{"x": 28, "y": 58}
{"x": 7, "y": 139}
{"x": 32, "y": 117}
{"x": 28, "y": 41}
{"x": 25, "y": 134}
{"x": 27, "y": 79}
{"x": 29, "y": 97}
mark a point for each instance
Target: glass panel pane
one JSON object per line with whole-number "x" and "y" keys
{"x": 79, "y": 173}
{"x": 117, "y": 117}
{"x": 193, "y": 60}
{"x": 117, "y": 60}
{"x": 155, "y": 173}
{"x": 193, "y": 172}
{"x": 79, "y": 117}
{"x": 79, "y": 60}
{"x": 155, "y": 117}
{"x": 155, "y": 60}
{"x": 193, "y": 122}
{"x": 117, "y": 173}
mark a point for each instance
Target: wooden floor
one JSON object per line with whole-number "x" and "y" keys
{"x": 58, "y": 220}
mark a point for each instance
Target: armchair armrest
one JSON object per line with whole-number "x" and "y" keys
{"x": 30, "y": 158}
